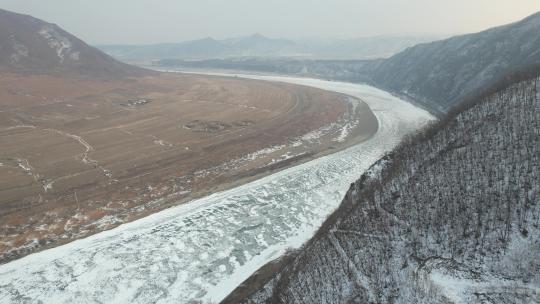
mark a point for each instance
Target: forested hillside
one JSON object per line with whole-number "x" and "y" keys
{"x": 31, "y": 46}
{"x": 451, "y": 216}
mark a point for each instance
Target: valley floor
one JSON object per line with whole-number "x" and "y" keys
{"x": 79, "y": 156}
{"x": 204, "y": 249}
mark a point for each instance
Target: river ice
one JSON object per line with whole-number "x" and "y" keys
{"x": 204, "y": 249}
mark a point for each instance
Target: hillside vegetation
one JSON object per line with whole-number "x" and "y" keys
{"x": 259, "y": 46}
{"x": 451, "y": 216}
{"x": 440, "y": 74}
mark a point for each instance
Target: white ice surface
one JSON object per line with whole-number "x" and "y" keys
{"x": 203, "y": 250}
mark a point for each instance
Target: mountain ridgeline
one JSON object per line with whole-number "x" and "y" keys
{"x": 442, "y": 73}
{"x": 436, "y": 75}
{"x": 260, "y": 46}
{"x": 451, "y": 216}
{"x": 31, "y": 45}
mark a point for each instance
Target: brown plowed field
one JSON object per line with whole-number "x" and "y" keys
{"x": 78, "y": 156}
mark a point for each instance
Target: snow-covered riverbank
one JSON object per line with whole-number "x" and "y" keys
{"x": 204, "y": 249}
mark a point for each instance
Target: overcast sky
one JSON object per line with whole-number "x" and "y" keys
{"x": 152, "y": 21}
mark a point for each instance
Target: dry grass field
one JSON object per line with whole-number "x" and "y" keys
{"x": 78, "y": 156}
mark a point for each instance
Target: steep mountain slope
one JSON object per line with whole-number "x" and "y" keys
{"x": 451, "y": 216}
{"x": 28, "y": 44}
{"x": 364, "y": 47}
{"x": 441, "y": 73}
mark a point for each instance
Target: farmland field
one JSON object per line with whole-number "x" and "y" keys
{"x": 78, "y": 156}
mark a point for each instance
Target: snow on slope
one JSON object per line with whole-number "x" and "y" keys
{"x": 451, "y": 216}
{"x": 204, "y": 249}
{"x": 32, "y": 45}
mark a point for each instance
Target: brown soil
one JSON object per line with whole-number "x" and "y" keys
{"x": 79, "y": 156}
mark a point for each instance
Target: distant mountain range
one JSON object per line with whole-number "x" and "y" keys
{"x": 260, "y": 46}
{"x": 28, "y": 44}
{"x": 437, "y": 75}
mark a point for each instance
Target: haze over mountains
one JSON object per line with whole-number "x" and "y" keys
{"x": 437, "y": 74}
{"x": 444, "y": 72}
{"x": 258, "y": 45}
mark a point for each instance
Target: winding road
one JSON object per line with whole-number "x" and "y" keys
{"x": 204, "y": 249}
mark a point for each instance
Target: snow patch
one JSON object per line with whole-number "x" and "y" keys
{"x": 263, "y": 152}
{"x": 75, "y": 56}
{"x": 58, "y": 42}
{"x": 375, "y": 170}
{"x": 345, "y": 131}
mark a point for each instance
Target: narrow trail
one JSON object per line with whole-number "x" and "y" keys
{"x": 85, "y": 158}
{"x": 24, "y": 164}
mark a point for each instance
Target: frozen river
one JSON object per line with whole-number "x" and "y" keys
{"x": 204, "y": 249}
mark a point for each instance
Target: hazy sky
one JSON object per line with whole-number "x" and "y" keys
{"x": 151, "y": 21}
